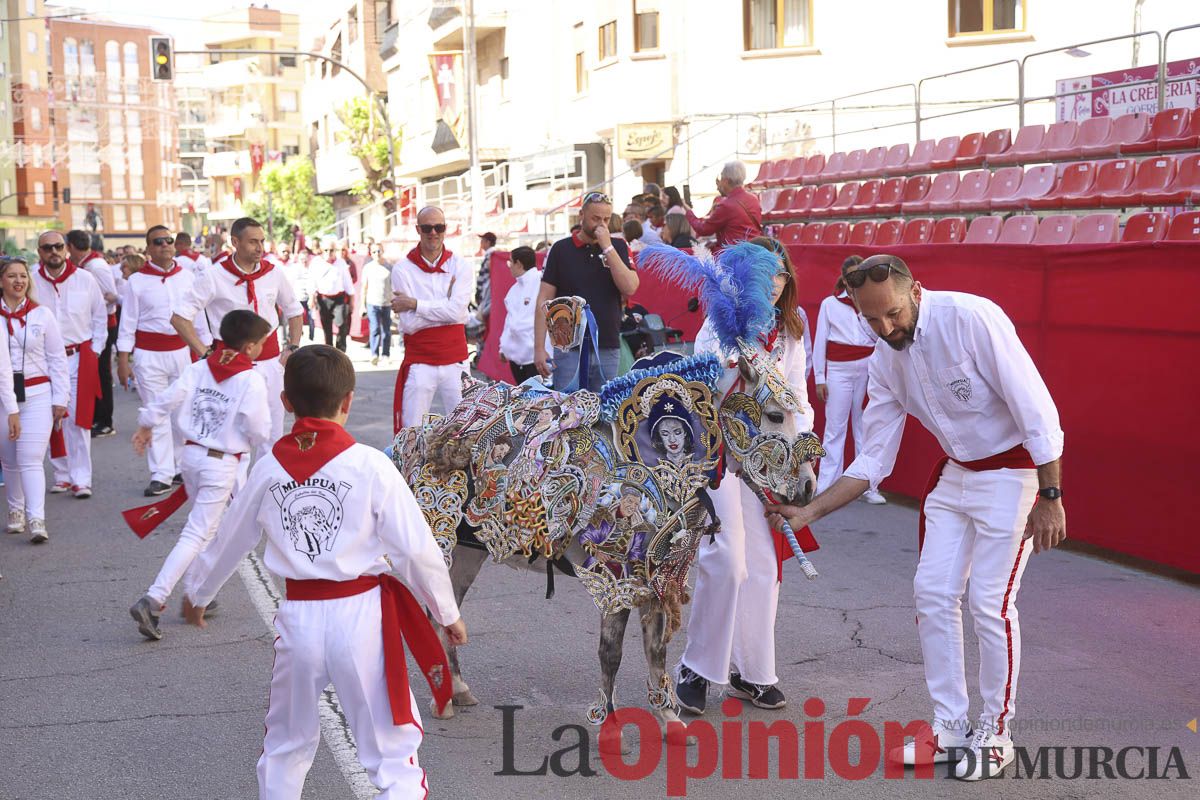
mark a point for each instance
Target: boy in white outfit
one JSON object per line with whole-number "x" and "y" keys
{"x": 220, "y": 407}
{"x": 338, "y": 519}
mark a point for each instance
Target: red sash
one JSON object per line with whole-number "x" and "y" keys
{"x": 87, "y": 384}
{"x": 144, "y": 519}
{"x": 404, "y": 623}
{"x": 438, "y": 346}
{"x": 58, "y": 443}
{"x": 783, "y": 550}
{"x": 37, "y": 381}
{"x": 270, "y": 347}
{"x": 1015, "y": 458}
{"x": 158, "y": 342}
{"x": 837, "y": 351}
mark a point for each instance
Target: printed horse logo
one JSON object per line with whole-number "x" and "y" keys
{"x": 961, "y": 389}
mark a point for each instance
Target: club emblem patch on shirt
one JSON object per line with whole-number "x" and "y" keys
{"x": 311, "y": 513}
{"x": 227, "y": 356}
{"x": 961, "y": 389}
{"x": 209, "y": 409}
{"x": 306, "y": 441}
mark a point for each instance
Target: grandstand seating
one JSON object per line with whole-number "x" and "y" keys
{"x": 1148, "y": 226}
{"x": 984, "y": 230}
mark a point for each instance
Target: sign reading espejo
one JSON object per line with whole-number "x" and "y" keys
{"x": 645, "y": 140}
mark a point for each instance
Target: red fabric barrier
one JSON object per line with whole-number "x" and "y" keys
{"x": 502, "y": 280}
{"x": 1116, "y": 335}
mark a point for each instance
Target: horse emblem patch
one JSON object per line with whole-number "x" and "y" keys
{"x": 311, "y": 513}
{"x": 150, "y": 513}
{"x": 209, "y": 409}
{"x": 306, "y": 441}
{"x": 961, "y": 389}
{"x": 227, "y": 357}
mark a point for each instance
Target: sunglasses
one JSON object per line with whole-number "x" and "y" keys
{"x": 162, "y": 241}
{"x": 877, "y": 270}
{"x": 596, "y": 197}
{"x": 59, "y": 246}
{"x": 427, "y": 229}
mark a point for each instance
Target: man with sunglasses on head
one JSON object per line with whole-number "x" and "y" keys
{"x": 953, "y": 361}
{"x": 431, "y": 289}
{"x": 73, "y": 296}
{"x": 593, "y": 265}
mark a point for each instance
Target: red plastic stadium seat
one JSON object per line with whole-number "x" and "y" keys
{"x": 889, "y": 233}
{"x": 1126, "y": 129}
{"x": 942, "y": 191}
{"x": 948, "y": 230}
{"x": 1005, "y": 184}
{"x": 1037, "y": 182}
{"x": 1153, "y": 174}
{"x": 1184, "y": 189}
{"x": 973, "y": 191}
{"x": 801, "y": 201}
{"x": 1019, "y": 229}
{"x": 868, "y": 193}
{"x": 863, "y": 232}
{"x": 791, "y": 233}
{"x": 1148, "y": 226}
{"x": 812, "y": 233}
{"x": 1188, "y": 140}
{"x": 764, "y": 170}
{"x": 1055, "y": 229}
{"x": 983, "y": 230}
{"x": 1060, "y": 140}
{"x": 1093, "y": 134}
{"x": 834, "y": 167}
{"x": 1113, "y": 177}
{"x": 995, "y": 143}
{"x": 1075, "y": 182}
{"x": 872, "y": 165}
{"x": 1167, "y": 124}
{"x": 888, "y": 201}
{"x": 922, "y": 157}
{"x": 1096, "y": 229}
{"x": 822, "y": 199}
{"x": 852, "y": 165}
{"x": 813, "y": 167}
{"x": 1026, "y": 147}
{"x": 845, "y": 198}
{"x": 896, "y": 162}
{"x": 915, "y": 189}
{"x": 917, "y": 231}
{"x": 944, "y": 152}
{"x": 970, "y": 151}
{"x": 779, "y": 171}
{"x": 835, "y": 233}
{"x": 780, "y": 205}
{"x": 793, "y": 172}
{"x": 1184, "y": 228}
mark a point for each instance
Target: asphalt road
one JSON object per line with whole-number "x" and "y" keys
{"x": 88, "y": 709}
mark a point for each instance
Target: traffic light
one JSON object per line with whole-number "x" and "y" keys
{"x": 162, "y": 66}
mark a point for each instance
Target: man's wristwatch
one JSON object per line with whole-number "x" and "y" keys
{"x": 291, "y": 348}
{"x": 1050, "y": 493}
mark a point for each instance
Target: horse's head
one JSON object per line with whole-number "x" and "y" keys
{"x": 759, "y": 415}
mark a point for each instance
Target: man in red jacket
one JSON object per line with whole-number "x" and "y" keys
{"x": 736, "y": 217}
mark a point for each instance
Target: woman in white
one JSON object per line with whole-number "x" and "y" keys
{"x": 843, "y": 343}
{"x": 731, "y": 630}
{"x": 36, "y": 350}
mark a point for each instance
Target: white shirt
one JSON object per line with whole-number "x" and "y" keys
{"x": 330, "y": 279}
{"x": 192, "y": 261}
{"x": 442, "y": 297}
{"x": 149, "y": 301}
{"x": 298, "y": 276}
{"x": 838, "y": 322}
{"x": 808, "y": 347}
{"x": 650, "y": 234}
{"x": 78, "y": 307}
{"x": 520, "y": 306}
{"x": 792, "y": 364}
{"x": 970, "y": 382}
{"x": 216, "y": 293}
{"x": 362, "y": 510}
{"x": 376, "y": 284}
{"x": 101, "y": 270}
{"x": 231, "y": 416}
{"x": 36, "y": 348}
{"x": 8, "y": 397}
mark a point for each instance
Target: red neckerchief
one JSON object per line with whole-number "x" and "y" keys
{"x": 225, "y": 362}
{"x": 415, "y": 257}
{"x": 247, "y": 278}
{"x": 842, "y": 298}
{"x": 192, "y": 254}
{"x": 92, "y": 256}
{"x": 312, "y": 444}
{"x": 18, "y": 315}
{"x": 150, "y": 268}
{"x": 67, "y": 272}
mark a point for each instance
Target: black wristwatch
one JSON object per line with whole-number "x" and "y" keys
{"x": 291, "y": 348}
{"x": 1050, "y": 493}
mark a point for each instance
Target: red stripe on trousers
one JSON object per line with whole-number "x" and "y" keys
{"x": 1012, "y": 578}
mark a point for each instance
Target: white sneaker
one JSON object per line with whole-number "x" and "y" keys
{"x": 38, "y": 532}
{"x": 82, "y": 492}
{"x": 60, "y": 486}
{"x": 374, "y": 360}
{"x": 932, "y": 748}
{"x": 987, "y": 757}
{"x": 16, "y": 520}
{"x": 873, "y": 497}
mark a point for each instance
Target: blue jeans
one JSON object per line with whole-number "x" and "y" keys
{"x": 566, "y": 364}
{"x": 379, "y": 319}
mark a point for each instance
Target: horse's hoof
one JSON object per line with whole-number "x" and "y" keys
{"x": 465, "y": 698}
{"x": 446, "y": 713}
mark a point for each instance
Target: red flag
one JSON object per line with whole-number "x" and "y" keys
{"x": 144, "y": 519}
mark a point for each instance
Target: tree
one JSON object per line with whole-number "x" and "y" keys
{"x": 366, "y": 133}
{"x": 294, "y": 198}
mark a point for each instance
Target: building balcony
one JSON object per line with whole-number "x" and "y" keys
{"x": 233, "y": 162}
{"x": 449, "y": 35}
{"x": 230, "y": 71}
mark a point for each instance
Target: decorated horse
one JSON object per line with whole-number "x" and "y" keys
{"x": 611, "y": 487}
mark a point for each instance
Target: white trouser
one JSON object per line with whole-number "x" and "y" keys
{"x": 974, "y": 526}
{"x": 425, "y": 381}
{"x": 76, "y": 467}
{"x": 24, "y": 475}
{"x": 209, "y": 482}
{"x": 272, "y": 372}
{"x": 340, "y": 641}
{"x": 732, "y": 622}
{"x": 847, "y": 385}
{"x": 155, "y": 372}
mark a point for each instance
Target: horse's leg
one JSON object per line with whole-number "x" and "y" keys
{"x": 463, "y": 571}
{"x": 612, "y": 640}
{"x": 659, "y": 686}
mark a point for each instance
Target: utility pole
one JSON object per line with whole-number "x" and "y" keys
{"x": 270, "y": 218}
{"x": 472, "y": 71}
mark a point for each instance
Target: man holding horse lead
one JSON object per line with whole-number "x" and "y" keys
{"x": 953, "y": 360}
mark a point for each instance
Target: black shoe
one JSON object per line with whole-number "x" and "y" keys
{"x": 100, "y": 431}
{"x": 145, "y": 614}
{"x": 177, "y": 480}
{"x": 156, "y": 488}
{"x": 691, "y": 691}
{"x": 761, "y": 696}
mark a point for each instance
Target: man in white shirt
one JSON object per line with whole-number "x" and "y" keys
{"x": 73, "y": 296}
{"x": 334, "y": 291}
{"x": 186, "y": 257}
{"x": 953, "y": 361}
{"x": 377, "y": 303}
{"x": 431, "y": 291}
{"x": 520, "y": 305}
{"x": 85, "y": 256}
{"x": 244, "y": 279}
